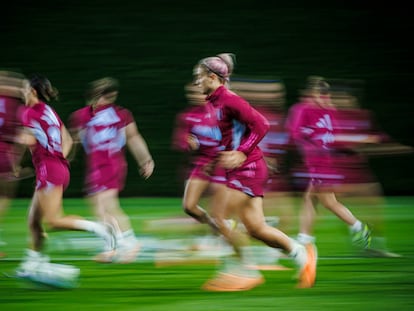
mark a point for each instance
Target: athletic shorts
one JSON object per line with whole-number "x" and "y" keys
{"x": 218, "y": 175}
{"x": 7, "y": 157}
{"x": 250, "y": 178}
{"x": 278, "y": 183}
{"x": 52, "y": 172}
{"x": 106, "y": 177}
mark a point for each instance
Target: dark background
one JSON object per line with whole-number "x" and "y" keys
{"x": 152, "y": 46}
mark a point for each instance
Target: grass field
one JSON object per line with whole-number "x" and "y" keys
{"x": 344, "y": 282}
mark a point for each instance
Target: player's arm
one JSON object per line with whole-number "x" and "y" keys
{"x": 183, "y": 140}
{"x": 258, "y": 127}
{"x": 67, "y": 142}
{"x": 75, "y": 131}
{"x": 25, "y": 137}
{"x": 272, "y": 164}
{"x": 257, "y": 124}
{"x": 139, "y": 149}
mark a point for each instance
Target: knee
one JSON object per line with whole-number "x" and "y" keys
{"x": 255, "y": 231}
{"x": 51, "y": 223}
{"x": 188, "y": 207}
{"x": 188, "y": 212}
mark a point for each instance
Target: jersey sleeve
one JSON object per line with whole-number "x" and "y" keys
{"x": 126, "y": 116}
{"x": 74, "y": 120}
{"x": 294, "y": 123}
{"x": 256, "y": 124}
{"x": 180, "y": 133}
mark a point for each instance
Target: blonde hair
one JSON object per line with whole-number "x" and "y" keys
{"x": 222, "y": 64}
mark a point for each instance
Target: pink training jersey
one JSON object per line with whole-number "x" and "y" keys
{"x": 47, "y": 157}
{"x": 9, "y": 122}
{"x": 275, "y": 145}
{"x": 355, "y": 124}
{"x": 242, "y": 128}
{"x": 103, "y": 137}
{"x": 312, "y": 129}
{"x": 201, "y": 123}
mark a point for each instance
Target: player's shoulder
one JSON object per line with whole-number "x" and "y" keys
{"x": 231, "y": 94}
{"x": 124, "y": 114}
{"x": 82, "y": 109}
{"x": 301, "y": 106}
{"x": 79, "y": 113}
{"x": 233, "y": 99}
{"x": 121, "y": 109}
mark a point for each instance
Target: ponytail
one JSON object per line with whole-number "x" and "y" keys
{"x": 44, "y": 89}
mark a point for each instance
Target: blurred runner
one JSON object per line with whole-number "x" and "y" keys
{"x": 360, "y": 186}
{"x": 50, "y": 143}
{"x": 104, "y": 129}
{"x": 11, "y": 86}
{"x": 313, "y": 126}
{"x": 268, "y": 97}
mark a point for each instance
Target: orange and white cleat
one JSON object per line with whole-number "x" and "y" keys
{"x": 227, "y": 282}
{"x": 307, "y": 274}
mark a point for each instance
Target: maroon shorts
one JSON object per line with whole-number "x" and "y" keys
{"x": 278, "y": 183}
{"x": 250, "y": 178}
{"x": 218, "y": 175}
{"x": 52, "y": 172}
{"x": 106, "y": 177}
{"x": 8, "y": 156}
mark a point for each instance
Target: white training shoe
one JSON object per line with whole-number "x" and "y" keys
{"x": 56, "y": 275}
{"x": 110, "y": 239}
{"x": 31, "y": 262}
{"x": 127, "y": 253}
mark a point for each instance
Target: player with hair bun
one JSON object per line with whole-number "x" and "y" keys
{"x": 242, "y": 128}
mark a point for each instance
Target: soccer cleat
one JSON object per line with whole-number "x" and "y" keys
{"x": 228, "y": 282}
{"x": 307, "y": 273}
{"x": 31, "y": 263}
{"x": 56, "y": 275}
{"x": 362, "y": 238}
{"x": 37, "y": 268}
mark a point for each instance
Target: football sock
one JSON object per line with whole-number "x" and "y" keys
{"x": 304, "y": 238}
{"x": 94, "y": 227}
{"x": 357, "y": 226}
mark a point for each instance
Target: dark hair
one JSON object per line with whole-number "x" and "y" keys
{"x": 101, "y": 87}
{"x": 45, "y": 91}
{"x": 318, "y": 84}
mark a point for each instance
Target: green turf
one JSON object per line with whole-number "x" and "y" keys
{"x": 345, "y": 281}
